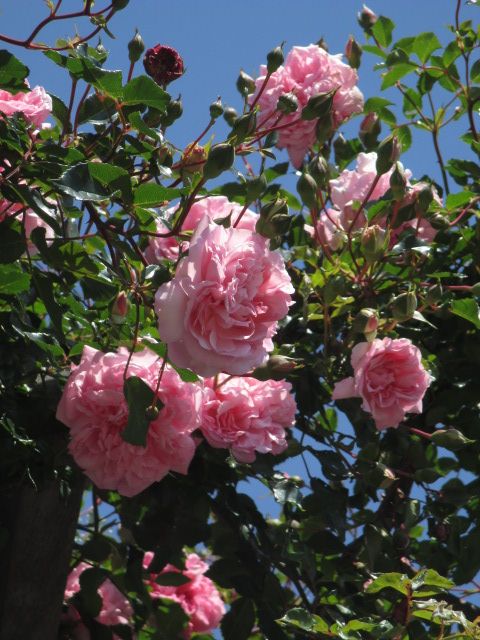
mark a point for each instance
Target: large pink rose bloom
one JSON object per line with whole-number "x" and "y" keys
{"x": 116, "y": 608}
{"x": 390, "y": 379}
{"x": 210, "y": 208}
{"x": 246, "y": 416}
{"x": 36, "y": 105}
{"x": 308, "y": 71}
{"x": 31, "y": 221}
{"x": 220, "y": 311}
{"x": 199, "y": 597}
{"x": 94, "y": 408}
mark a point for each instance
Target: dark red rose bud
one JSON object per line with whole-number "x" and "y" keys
{"x": 163, "y": 64}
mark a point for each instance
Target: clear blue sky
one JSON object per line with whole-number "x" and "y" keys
{"x": 218, "y": 37}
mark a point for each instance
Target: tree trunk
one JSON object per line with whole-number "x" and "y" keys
{"x": 34, "y": 559}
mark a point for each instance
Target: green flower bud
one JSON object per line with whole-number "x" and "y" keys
{"x": 318, "y": 106}
{"x": 404, "y": 306}
{"x": 255, "y": 187}
{"x": 322, "y": 43}
{"x": 318, "y": 169}
{"x": 374, "y": 243}
{"x": 451, "y": 439}
{"x": 287, "y": 103}
{"x": 366, "y": 322}
{"x": 342, "y": 148}
{"x": 118, "y": 5}
{"x": 324, "y": 128}
{"x": 398, "y": 182}
{"x": 434, "y": 294}
{"x": 245, "y": 83}
{"x": 136, "y": 47}
{"x": 274, "y": 219}
{"x": 370, "y": 129}
{"x": 274, "y": 59}
{"x": 438, "y": 221}
{"x": 388, "y": 153}
{"x": 216, "y": 109}
{"x": 244, "y": 126}
{"x": 274, "y": 207}
{"x": 271, "y": 140}
{"x": 353, "y": 52}
{"x": 307, "y": 190}
{"x": 102, "y": 53}
{"x": 220, "y": 158}
{"x": 275, "y": 368}
{"x": 174, "y": 111}
{"x": 151, "y": 413}
{"x": 476, "y": 289}
{"x": 424, "y": 199}
{"x": 230, "y": 115}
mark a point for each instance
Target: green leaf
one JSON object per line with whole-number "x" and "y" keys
{"x": 12, "y": 244}
{"x": 13, "y": 280}
{"x": 186, "y": 374}
{"x": 172, "y": 579}
{"x": 397, "y": 581}
{"x": 430, "y": 578}
{"x": 456, "y": 200}
{"x": 475, "y": 72}
{"x": 404, "y": 135}
{"x": 114, "y": 178}
{"x": 237, "y": 624}
{"x": 145, "y": 92}
{"x": 382, "y": 30}
{"x": 139, "y": 124}
{"x": 79, "y": 183}
{"x": 467, "y": 308}
{"x": 12, "y": 71}
{"x": 398, "y": 71}
{"x": 44, "y": 285}
{"x": 299, "y": 618}
{"x": 425, "y": 44}
{"x": 154, "y": 195}
{"x": 139, "y": 398}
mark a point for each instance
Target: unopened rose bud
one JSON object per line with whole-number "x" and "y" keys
{"x": 287, "y": 103}
{"x": 165, "y": 156}
{"x": 220, "y": 158}
{"x": 476, "y": 289}
{"x": 324, "y": 128}
{"x": 318, "y": 169}
{"x": 307, "y": 190}
{"x": 274, "y": 207}
{"x": 398, "y": 182}
{"x": 341, "y": 147}
{"x": 274, "y": 220}
{"x": 216, "y": 109}
{"x": 118, "y": 5}
{"x": 164, "y": 64}
{"x": 245, "y": 84}
{"x": 366, "y": 322}
{"x": 438, "y": 221}
{"x": 434, "y": 294}
{"x": 370, "y": 129}
{"x": 318, "y": 106}
{"x": 424, "y": 199}
{"x": 353, "y": 52}
{"x": 274, "y": 59}
{"x": 404, "y": 306}
{"x": 388, "y": 153}
{"x": 174, "y": 111}
{"x": 255, "y": 187}
{"x": 275, "y": 368}
{"x": 101, "y": 52}
{"x": 136, "y": 47}
{"x": 193, "y": 161}
{"x": 366, "y": 19}
{"x": 230, "y": 115}
{"x": 451, "y": 439}
{"x": 120, "y": 308}
{"x": 374, "y": 243}
{"x": 244, "y": 126}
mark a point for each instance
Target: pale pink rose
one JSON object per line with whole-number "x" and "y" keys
{"x": 330, "y": 229}
{"x": 199, "y": 597}
{"x": 246, "y": 416}
{"x": 308, "y": 71}
{"x": 422, "y": 228}
{"x": 389, "y": 377}
{"x": 36, "y": 105}
{"x": 32, "y": 221}
{"x": 116, "y": 609}
{"x": 220, "y": 311}
{"x": 94, "y": 408}
{"x": 210, "y": 208}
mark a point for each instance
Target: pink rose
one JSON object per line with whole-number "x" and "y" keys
{"x": 116, "y": 608}
{"x": 36, "y": 105}
{"x": 220, "y": 311}
{"x": 390, "y": 379}
{"x": 199, "y": 597}
{"x": 248, "y": 416}
{"x": 308, "y": 71}
{"x": 210, "y": 208}
{"x": 94, "y": 408}
{"x": 32, "y": 221}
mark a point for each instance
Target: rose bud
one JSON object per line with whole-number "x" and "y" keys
{"x": 438, "y": 221}
{"x": 255, "y": 187}
{"x": 374, "y": 243}
{"x": 366, "y": 322}
{"x": 136, "y": 47}
{"x": 424, "y": 199}
{"x": 274, "y": 59}
{"x": 174, "y": 111}
{"x": 307, "y": 190}
{"x": 163, "y": 64}
{"x": 388, "y": 153}
{"x": 398, "y": 182}
{"x": 434, "y": 294}
{"x": 324, "y": 128}
{"x": 318, "y": 106}
{"x": 120, "y": 308}
{"x": 366, "y": 19}
{"x": 404, "y": 306}
{"x": 193, "y": 161}
{"x": 244, "y": 126}
{"x": 118, "y": 5}
{"x": 318, "y": 169}
{"x": 287, "y": 103}
{"x": 216, "y": 109}
{"x": 370, "y": 129}
{"x": 230, "y": 115}
{"x": 353, "y": 52}
{"x": 245, "y": 83}
{"x": 220, "y": 158}
{"x": 275, "y": 368}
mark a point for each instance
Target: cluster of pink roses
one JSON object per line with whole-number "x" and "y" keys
{"x": 307, "y": 72}
{"x": 199, "y": 597}
{"x": 353, "y": 187}
{"x": 244, "y": 415}
{"x": 35, "y": 105}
